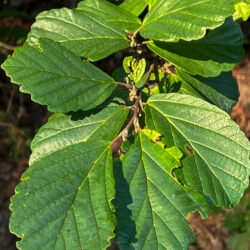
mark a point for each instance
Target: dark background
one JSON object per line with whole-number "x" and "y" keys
{"x": 20, "y": 118}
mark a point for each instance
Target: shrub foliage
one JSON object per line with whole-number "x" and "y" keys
{"x": 129, "y": 156}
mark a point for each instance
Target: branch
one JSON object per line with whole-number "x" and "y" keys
{"x": 133, "y": 37}
{"x": 136, "y": 32}
{"x": 117, "y": 142}
{"x": 126, "y": 85}
{"x": 8, "y": 47}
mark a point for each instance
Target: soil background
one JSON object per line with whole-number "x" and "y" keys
{"x": 20, "y": 118}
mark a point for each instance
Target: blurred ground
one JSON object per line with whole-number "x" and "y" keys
{"x": 210, "y": 233}
{"x": 20, "y": 118}
{"x": 241, "y": 112}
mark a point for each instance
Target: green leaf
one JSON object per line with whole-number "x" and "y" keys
{"x": 242, "y": 10}
{"x": 119, "y": 74}
{"x": 221, "y": 91}
{"x": 56, "y": 77}
{"x": 134, "y": 6}
{"x": 142, "y": 81}
{"x": 95, "y": 30}
{"x": 173, "y": 83}
{"x": 112, "y": 14}
{"x": 219, "y": 51}
{"x": 173, "y": 20}
{"x": 137, "y": 6}
{"x": 127, "y": 64}
{"x": 151, "y": 3}
{"x": 138, "y": 69}
{"x": 157, "y": 203}
{"x": 216, "y": 160}
{"x": 135, "y": 69}
{"x": 64, "y": 198}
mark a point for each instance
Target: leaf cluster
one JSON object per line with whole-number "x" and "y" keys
{"x": 129, "y": 156}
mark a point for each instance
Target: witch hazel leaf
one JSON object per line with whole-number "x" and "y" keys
{"x": 69, "y": 183}
{"x": 160, "y": 204}
{"x": 56, "y": 77}
{"x": 221, "y": 91}
{"x": 134, "y": 68}
{"x": 212, "y": 143}
{"x": 134, "y": 6}
{"x": 172, "y": 20}
{"x": 217, "y": 52}
{"x": 94, "y": 30}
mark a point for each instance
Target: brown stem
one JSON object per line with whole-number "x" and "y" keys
{"x": 145, "y": 42}
{"x": 137, "y": 31}
{"x": 117, "y": 142}
{"x": 133, "y": 38}
{"x": 127, "y": 85}
{"x": 135, "y": 112}
{"x": 150, "y": 72}
{"x": 8, "y": 47}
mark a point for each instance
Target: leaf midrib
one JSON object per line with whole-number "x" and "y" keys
{"x": 199, "y": 155}
{"x": 142, "y": 159}
{"x": 185, "y": 121}
{"x": 177, "y": 118}
{"x": 81, "y": 27}
{"x": 115, "y": 20}
{"x": 87, "y": 139}
{"x": 63, "y": 75}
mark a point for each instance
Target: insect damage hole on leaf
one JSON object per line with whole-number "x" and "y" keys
{"x": 189, "y": 149}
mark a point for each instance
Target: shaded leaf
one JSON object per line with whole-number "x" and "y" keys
{"x": 219, "y": 51}
{"x": 187, "y": 89}
{"x": 221, "y": 91}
